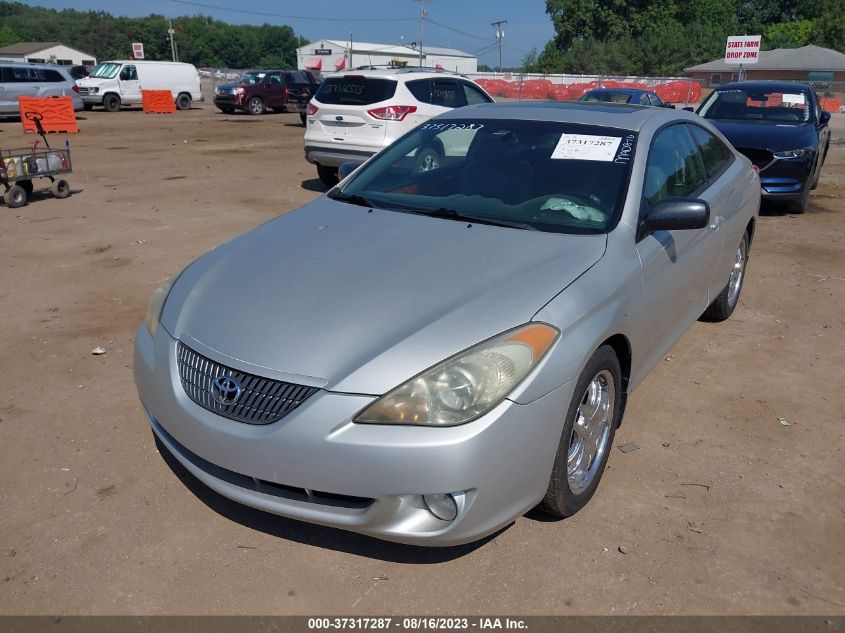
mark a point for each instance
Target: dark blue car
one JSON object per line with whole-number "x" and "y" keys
{"x": 625, "y": 95}
{"x": 780, "y": 127}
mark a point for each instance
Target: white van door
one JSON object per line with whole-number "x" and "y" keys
{"x": 130, "y": 87}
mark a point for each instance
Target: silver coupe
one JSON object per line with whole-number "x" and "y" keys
{"x": 435, "y": 347}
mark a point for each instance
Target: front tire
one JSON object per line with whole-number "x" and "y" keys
{"x": 591, "y": 422}
{"x": 256, "y": 106}
{"x": 111, "y": 103}
{"x": 725, "y": 303}
{"x": 60, "y": 188}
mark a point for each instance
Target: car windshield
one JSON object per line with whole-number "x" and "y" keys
{"x": 772, "y": 104}
{"x": 541, "y": 175}
{"x": 252, "y": 78}
{"x": 607, "y": 97}
{"x": 105, "y": 71}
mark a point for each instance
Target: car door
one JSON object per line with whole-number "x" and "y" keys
{"x": 129, "y": 86}
{"x": 823, "y": 129}
{"x": 274, "y": 89}
{"x": 677, "y": 266}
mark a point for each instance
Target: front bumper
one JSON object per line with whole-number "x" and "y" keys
{"x": 786, "y": 178}
{"x": 316, "y": 465}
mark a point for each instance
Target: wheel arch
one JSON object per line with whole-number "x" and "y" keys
{"x": 752, "y": 225}
{"x": 621, "y": 346}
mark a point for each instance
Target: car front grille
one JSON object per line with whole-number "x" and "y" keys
{"x": 760, "y": 157}
{"x": 260, "y": 401}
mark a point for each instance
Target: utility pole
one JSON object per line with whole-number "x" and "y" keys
{"x": 500, "y": 35}
{"x": 171, "y": 32}
{"x": 350, "y": 50}
{"x": 423, "y": 16}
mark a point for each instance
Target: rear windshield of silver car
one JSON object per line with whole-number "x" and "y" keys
{"x": 355, "y": 90}
{"x": 541, "y": 175}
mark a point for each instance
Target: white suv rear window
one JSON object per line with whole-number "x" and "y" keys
{"x": 355, "y": 90}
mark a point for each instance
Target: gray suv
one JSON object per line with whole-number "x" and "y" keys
{"x": 34, "y": 80}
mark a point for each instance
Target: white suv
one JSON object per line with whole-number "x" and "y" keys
{"x": 354, "y": 115}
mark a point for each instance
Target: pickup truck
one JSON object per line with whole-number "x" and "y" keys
{"x": 258, "y": 91}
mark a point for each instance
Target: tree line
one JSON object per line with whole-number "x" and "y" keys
{"x": 662, "y": 37}
{"x": 200, "y": 40}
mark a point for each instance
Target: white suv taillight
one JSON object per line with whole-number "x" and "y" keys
{"x": 311, "y": 110}
{"x": 392, "y": 113}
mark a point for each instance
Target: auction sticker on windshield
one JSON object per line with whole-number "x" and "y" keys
{"x": 586, "y": 147}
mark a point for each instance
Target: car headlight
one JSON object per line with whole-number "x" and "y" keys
{"x": 804, "y": 152}
{"x": 157, "y": 300}
{"x": 466, "y": 386}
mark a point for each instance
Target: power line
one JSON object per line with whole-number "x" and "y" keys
{"x": 290, "y": 17}
{"x": 486, "y": 39}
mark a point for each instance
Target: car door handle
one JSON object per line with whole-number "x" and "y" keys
{"x": 717, "y": 223}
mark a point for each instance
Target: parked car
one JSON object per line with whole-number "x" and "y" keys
{"x": 34, "y": 80}
{"x": 780, "y": 127}
{"x": 262, "y": 90}
{"x": 423, "y": 356}
{"x": 353, "y": 116}
{"x": 115, "y": 84}
{"x": 625, "y": 95}
{"x": 80, "y": 71}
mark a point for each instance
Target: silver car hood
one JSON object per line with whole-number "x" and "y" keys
{"x": 337, "y": 296}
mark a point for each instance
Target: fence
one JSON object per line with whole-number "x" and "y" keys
{"x": 681, "y": 91}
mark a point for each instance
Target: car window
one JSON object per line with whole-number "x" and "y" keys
{"x": 276, "y": 80}
{"x": 473, "y": 95}
{"x": 355, "y": 90}
{"x": 783, "y": 105}
{"x": 52, "y": 75}
{"x": 655, "y": 100}
{"x": 128, "y": 73}
{"x": 445, "y": 93}
{"x": 674, "y": 166}
{"x": 107, "y": 70}
{"x": 714, "y": 152}
{"x": 21, "y": 74}
{"x": 549, "y": 175}
{"x": 421, "y": 89}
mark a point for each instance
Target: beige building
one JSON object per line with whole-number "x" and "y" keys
{"x": 808, "y": 63}
{"x": 46, "y": 53}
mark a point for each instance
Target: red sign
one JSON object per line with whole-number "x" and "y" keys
{"x": 138, "y": 50}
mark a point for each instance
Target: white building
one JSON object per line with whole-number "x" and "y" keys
{"x": 46, "y": 53}
{"x": 330, "y": 56}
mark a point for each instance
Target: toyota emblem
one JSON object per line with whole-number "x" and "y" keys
{"x": 225, "y": 390}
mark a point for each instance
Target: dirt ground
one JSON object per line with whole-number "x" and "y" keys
{"x": 723, "y": 509}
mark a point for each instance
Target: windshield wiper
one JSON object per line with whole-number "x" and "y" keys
{"x": 351, "y": 198}
{"x": 454, "y": 214}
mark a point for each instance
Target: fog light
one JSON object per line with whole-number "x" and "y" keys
{"x": 442, "y": 506}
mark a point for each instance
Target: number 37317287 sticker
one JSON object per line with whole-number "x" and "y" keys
{"x": 586, "y": 147}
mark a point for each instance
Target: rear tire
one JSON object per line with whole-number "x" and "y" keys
{"x": 800, "y": 206}
{"x": 429, "y": 159}
{"x": 328, "y": 175}
{"x": 184, "y": 102}
{"x": 60, "y": 188}
{"x": 15, "y": 197}
{"x": 111, "y": 103}
{"x": 588, "y": 430}
{"x": 256, "y": 106}
{"x": 725, "y": 303}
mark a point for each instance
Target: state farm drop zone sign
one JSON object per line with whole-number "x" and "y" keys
{"x": 742, "y": 49}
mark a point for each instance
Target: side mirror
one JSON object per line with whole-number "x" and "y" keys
{"x": 825, "y": 117}
{"x": 689, "y": 109}
{"x": 677, "y": 214}
{"x": 347, "y": 168}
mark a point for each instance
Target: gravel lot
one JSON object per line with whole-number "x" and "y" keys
{"x": 722, "y": 510}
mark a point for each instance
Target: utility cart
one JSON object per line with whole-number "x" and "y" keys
{"x": 18, "y": 168}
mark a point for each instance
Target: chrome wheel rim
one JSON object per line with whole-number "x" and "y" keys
{"x": 737, "y": 273}
{"x": 590, "y": 431}
{"x": 255, "y": 106}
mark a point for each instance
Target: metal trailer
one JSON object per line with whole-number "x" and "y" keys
{"x": 18, "y": 168}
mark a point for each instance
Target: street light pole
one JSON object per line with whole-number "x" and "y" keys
{"x": 423, "y": 16}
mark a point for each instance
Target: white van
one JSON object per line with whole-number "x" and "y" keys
{"x": 115, "y": 83}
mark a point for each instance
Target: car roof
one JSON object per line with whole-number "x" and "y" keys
{"x": 617, "y": 115}
{"x": 33, "y": 65}
{"x": 395, "y": 73}
{"x": 764, "y": 85}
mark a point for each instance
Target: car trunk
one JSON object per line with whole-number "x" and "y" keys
{"x": 343, "y": 103}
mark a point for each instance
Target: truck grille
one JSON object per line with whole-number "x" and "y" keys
{"x": 261, "y": 400}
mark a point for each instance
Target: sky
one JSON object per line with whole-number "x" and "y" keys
{"x": 462, "y": 24}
